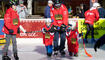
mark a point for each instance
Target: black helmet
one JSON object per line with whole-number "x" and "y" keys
{"x": 13, "y": 2}
{"x": 57, "y": 3}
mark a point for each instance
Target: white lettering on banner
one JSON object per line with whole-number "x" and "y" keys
{"x": 23, "y": 34}
{"x": 29, "y": 34}
{"x": 32, "y": 34}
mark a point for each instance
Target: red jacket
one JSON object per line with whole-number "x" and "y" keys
{"x": 72, "y": 41}
{"x": 11, "y": 21}
{"x": 47, "y": 41}
{"x": 60, "y": 16}
{"x": 91, "y": 16}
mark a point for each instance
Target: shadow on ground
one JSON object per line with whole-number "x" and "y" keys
{"x": 40, "y": 49}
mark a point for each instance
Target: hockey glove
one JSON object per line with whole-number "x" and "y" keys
{"x": 52, "y": 29}
{"x": 56, "y": 28}
{"x": 45, "y": 30}
{"x": 11, "y": 31}
{"x": 18, "y": 30}
{"x": 63, "y": 28}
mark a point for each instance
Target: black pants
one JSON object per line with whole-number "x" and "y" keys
{"x": 62, "y": 41}
{"x": 90, "y": 28}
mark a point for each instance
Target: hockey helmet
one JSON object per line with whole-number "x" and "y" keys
{"x": 48, "y": 20}
{"x": 57, "y": 3}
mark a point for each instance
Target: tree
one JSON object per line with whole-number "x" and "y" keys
{"x": 3, "y": 8}
{"x": 29, "y": 6}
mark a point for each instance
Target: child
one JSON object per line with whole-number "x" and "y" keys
{"x": 72, "y": 39}
{"x": 48, "y": 36}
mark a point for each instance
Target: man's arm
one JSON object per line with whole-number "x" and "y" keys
{"x": 52, "y": 17}
{"x": 47, "y": 12}
{"x": 18, "y": 9}
{"x": 97, "y": 15}
{"x": 65, "y": 15}
{"x": 7, "y": 20}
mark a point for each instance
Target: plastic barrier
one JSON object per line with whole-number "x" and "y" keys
{"x": 36, "y": 25}
{"x": 31, "y": 25}
{"x": 99, "y": 28}
{"x": 1, "y": 33}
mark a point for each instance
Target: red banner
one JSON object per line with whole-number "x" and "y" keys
{"x": 31, "y": 25}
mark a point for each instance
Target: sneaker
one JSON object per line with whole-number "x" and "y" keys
{"x": 49, "y": 54}
{"x": 55, "y": 53}
{"x": 70, "y": 53}
{"x": 6, "y": 58}
{"x": 85, "y": 41}
{"x": 76, "y": 55}
{"x": 16, "y": 56}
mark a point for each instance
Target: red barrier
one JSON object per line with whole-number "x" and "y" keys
{"x": 34, "y": 25}
{"x": 31, "y": 25}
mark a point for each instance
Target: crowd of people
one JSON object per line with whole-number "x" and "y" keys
{"x": 57, "y": 27}
{"x": 62, "y": 29}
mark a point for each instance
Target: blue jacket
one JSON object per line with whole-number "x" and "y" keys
{"x": 101, "y": 12}
{"x": 47, "y": 12}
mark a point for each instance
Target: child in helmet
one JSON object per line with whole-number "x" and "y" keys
{"x": 72, "y": 40}
{"x": 48, "y": 36}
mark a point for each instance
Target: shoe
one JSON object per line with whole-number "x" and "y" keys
{"x": 55, "y": 53}
{"x": 76, "y": 55}
{"x": 85, "y": 41}
{"x": 62, "y": 52}
{"x": 70, "y": 53}
{"x": 49, "y": 54}
{"x": 93, "y": 40}
{"x": 6, "y": 58}
{"x": 16, "y": 56}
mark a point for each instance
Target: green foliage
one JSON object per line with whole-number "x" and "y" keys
{"x": 2, "y": 14}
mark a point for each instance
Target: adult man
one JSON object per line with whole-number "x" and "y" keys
{"x": 47, "y": 9}
{"x": 91, "y": 16}
{"x": 59, "y": 16}
{"x": 11, "y": 28}
{"x": 22, "y": 10}
{"x": 100, "y": 10}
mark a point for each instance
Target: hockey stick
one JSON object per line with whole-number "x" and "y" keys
{"x": 89, "y": 55}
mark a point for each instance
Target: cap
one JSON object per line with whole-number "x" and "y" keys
{"x": 50, "y": 2}
{"x": 96, "y": 4}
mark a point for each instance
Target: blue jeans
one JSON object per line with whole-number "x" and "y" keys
{"x": 49, "y": 49}
{"x": 62, "y": 41}
{"x": 8, "y": 37}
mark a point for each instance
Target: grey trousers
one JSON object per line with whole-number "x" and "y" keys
{"x": 8, "y": 38}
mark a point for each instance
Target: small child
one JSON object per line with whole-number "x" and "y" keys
{"x": 48, "y": 37}
{"x": 72, "y": 40}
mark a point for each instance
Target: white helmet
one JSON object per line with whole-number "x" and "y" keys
{"x": 50, "y": 2}
{"x": 48, "y": 20}
{"x": 96, "y": 4}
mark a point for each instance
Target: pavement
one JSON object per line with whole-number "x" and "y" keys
{"x": 33, "y": 49}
